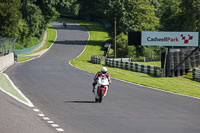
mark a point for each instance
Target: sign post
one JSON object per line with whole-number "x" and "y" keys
{"x": 166, "y": 39}
{"x": 178, "y": 39}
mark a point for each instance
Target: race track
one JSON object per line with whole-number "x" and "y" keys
{"x": 64, "y": 94}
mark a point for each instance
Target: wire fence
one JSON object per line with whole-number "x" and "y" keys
{"x": 7, "y": 45}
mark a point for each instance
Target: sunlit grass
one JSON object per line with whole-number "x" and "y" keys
{"x": 5, "y": 84}
{"x": 98, "y": 35}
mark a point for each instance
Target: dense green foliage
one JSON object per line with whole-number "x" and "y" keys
{"x": 132, "y": 15}
{"x": 67, "y": 7}
{"x": 25, "y": 20}
{"x": 28, "y": 18}
{"x": 143, "y": 15}
{"x": 9, "y": 18}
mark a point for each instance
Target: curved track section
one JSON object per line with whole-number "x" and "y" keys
{"x": 64, "y": 93}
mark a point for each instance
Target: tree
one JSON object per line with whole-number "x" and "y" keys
{"x": 9, "y": 17}
{"x": 35, "y": 20}
{"x": 190, "y": 16}
{"x": 122, "y": 45}
{"x": 48, "y": 10}
{"x": 169, "y": 15}
{"x": 135, "y": 15}
{"x": 67, "y": 7}
{"x": 22, "y": 33}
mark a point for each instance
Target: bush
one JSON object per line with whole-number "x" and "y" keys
{"x": 122, "y": 45}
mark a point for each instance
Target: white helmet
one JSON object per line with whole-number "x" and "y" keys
{"x": 103, "y": 70}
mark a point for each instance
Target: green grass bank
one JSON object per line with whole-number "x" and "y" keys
{"x": 98, "y": 35}
{"x": 6, "y": 85}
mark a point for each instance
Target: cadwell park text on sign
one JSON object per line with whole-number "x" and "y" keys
{"x": 182, "y": 39}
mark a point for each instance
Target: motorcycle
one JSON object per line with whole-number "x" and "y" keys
{"x": 101, "y": 88}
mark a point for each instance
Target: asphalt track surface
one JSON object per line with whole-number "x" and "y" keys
{"x": 18, "y": 118}
{"x": 64, "y": 94}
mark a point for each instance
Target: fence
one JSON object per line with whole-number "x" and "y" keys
{"x": 152, "y": 70}
{"x": 6, "y": 45}
{"x": 196, "y": 74}
{"x": 95, "y": 59}
{"x": 27, "y": 50}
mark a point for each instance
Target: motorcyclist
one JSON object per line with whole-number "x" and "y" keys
{"x": 103, "y": 72}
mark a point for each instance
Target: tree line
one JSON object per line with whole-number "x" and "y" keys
{"x": 143, "y": 15}
{"x": 23, "y": 19}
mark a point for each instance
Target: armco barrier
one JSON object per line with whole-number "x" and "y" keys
{"x": 196, "y": 74}
{"x": 27, "y": 50}
{"x": 97, "y": 59}
{"x": 153, "y": 70}
{"x": 6, "y": 61}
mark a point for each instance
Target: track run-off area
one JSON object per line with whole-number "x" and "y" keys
{"x": 64, "y": 93}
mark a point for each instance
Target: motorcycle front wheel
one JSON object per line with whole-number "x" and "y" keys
{"x": 96, "y": 100}
{"x": 101, "y": 95}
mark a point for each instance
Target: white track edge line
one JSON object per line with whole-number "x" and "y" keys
{"x": 16, "y": 98}
{"x": 29, "y": 103}
{"x": 157, "y": 89}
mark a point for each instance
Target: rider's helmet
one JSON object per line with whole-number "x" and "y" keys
{"x": 104, "y": 70}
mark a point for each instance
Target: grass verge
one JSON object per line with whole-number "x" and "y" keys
{"x": 22, "y": 59}
{"x": 98, "y": 35}
{"x": 6, "y": 85}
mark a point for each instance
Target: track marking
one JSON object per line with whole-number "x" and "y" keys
{"x": 26, "y": 102}
{"x": 46, "y": 118}
{"x": 54, "y": 125}
{"x": 157, "y": 89}
{"x": 36, "y": 110}
{"x": 50, "y": 122}
{"x": 60, "y": 129}
{"x": 41, "y": 115}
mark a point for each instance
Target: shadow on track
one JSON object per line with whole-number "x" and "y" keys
{"x": 80, "y": 101}
{"x": 79, "y": 42}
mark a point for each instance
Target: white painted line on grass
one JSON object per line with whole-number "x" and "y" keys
{"x": 16, "y": 98}
{"x": 27, "y": 102}
{"x": 80, "y": 55}
{"x": 157, "y": 89}
{"x": 85, "y": 45}
{"x": 82, "y": 51}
